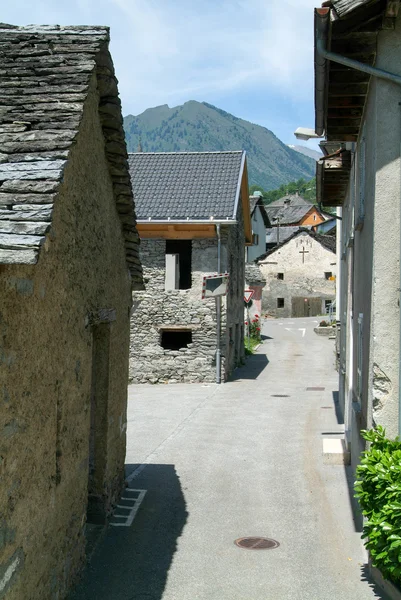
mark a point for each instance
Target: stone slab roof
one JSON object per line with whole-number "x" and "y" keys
{"x": 327, "y": 241}
{"x": 287, "y": 215}
{"x": 186, "y": 185}
{"x": 253, "y": 275}
{"x": 283, "y": 233}
{"x": 45, "y": 73}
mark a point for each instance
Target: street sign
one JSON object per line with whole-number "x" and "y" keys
{"x": 248, "y": 295}
{"x": 214, "y": 285}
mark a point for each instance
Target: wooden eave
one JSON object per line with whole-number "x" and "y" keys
{"x": 332, "y": 176}
{"x": 174, "y": 231}
{"x": 246, "y": 209}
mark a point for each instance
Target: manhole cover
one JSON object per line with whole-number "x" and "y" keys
{"x": 256, "y": 543}
{"x": 279, "y": 395}
{"x": 315, "y": 389}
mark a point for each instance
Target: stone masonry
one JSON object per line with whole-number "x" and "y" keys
{"x": 157, "y": 309}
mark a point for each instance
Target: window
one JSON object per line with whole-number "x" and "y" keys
{"x": 280, "y": 276}
{"x": 328, "y": 274}
{"x": 174, "y": 339}
{"x": 314, "y": 217}
{"x": 178, "y": 264}
{"x": 255, "y": 239}
{"x": 359, "y": 363}
{"x": 280, "y": 302}
{"x": 327, "y": 306}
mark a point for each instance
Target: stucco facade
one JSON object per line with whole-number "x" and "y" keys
{"x": 298, "y": 269}
{"x": 158, "y": 310}
{"x": 64, "y": 339}
{"x": 369, "y": 309}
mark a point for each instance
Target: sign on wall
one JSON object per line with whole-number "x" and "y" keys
{"x": 214, "y": 285}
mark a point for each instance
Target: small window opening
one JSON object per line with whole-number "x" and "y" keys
{"x": 174, "y": 339}
{"x": 328, "y": 274}
{"x": 280, "y": 302}
{"x": 327, "y": 306}
{"x": 178, "y": 264}
{"x": 280, "y": 275}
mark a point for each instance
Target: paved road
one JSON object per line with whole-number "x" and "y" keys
{"x": 240, "y": 459}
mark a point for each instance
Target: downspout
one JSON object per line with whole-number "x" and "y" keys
{"x": 393, "y": 78}
{"x": 218, "y": 310}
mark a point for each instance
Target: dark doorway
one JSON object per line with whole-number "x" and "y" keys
{"x": 174, "y": 339}
{"x": 97, "y": 509}
{"x": 184, "y": 250}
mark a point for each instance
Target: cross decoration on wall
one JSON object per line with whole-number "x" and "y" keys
{"x": 303, "y": 252}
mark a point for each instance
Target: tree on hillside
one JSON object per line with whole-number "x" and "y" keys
{"x": 306, "y": 189}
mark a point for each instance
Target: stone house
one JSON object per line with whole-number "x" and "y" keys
{"x": 68, "y": 260}
{"x": 260, "y": 222}
{"x": 193, "y": 220}
{"x": 300, "y": 275}
{"x": 360, "y": 173}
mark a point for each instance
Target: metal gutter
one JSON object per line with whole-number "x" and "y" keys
{"x": 210, "y": 221}
{"x": 322, "y": 22}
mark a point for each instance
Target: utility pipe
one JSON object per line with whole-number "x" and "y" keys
{"x": 218, "y": 310}
{"x": 393, "y": 78}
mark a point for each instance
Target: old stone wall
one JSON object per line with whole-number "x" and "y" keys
{"x": 156, "y": 309}
{"x": 47, "y": 365}
{"x": 303, "y": 263}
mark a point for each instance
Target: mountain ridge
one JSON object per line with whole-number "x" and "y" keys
{"x": 200, "y": 126}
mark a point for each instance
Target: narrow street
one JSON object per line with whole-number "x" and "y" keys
{"x": 220, "y": 463}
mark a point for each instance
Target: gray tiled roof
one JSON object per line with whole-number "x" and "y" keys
{"x": 186, "y": 185}
{"x": 45, "y": 75}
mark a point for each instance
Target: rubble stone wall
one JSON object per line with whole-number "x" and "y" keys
{"x": 46, "y": 377}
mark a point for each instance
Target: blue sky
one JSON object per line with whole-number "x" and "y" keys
{"x": 253, "y": 58}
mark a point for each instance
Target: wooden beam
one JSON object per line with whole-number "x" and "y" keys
{"x": 348, "y": 76}
{"x": 175, "y": 232}
{"x": 390, "y": 14}
{"x": 348, "y": 89}
{"x": 346, "y": 102}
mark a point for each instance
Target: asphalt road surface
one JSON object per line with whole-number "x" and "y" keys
{"x": 222, "y": 462}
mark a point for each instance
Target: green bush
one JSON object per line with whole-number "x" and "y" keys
{"x": 378, "y": 489}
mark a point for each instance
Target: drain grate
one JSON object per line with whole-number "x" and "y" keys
{"x": 256, "y": 543}
{"x": 326, "y": 407}
{"x": 279, "y": 395}
{"x": 315, "y": 389}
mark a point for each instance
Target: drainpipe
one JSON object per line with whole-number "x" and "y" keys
{"x": 218, "y": 310}
{"x": 387, "y": 76}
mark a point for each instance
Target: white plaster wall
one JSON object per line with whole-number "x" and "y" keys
{"x": 300, "y": 278}
{"x": 258, "y": 227}
{"x": 386, "y": 269}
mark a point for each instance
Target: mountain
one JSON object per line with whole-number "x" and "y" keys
{"x": 199, "y": 126}
{"x": 306, "y": 151}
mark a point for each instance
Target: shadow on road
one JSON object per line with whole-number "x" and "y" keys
{"x": 365, "y": 576}
{"x": 253, "y": 367}
{"x": 132, "y": 563}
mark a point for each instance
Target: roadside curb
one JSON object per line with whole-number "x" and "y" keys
{"x": 388, "y": 588}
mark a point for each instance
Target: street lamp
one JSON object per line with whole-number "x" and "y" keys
{"x": 305, "y": 133}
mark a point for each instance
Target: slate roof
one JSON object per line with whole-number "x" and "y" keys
{"x": 45, "y": 72}
{"x": 186, "y": 185}
{"x": 327, "y": 241}
{"x": 291, "y": 199}
{"x": 283, "y": 233}
{"x": 254, "y": 275}
{"x": 288, "y": 215}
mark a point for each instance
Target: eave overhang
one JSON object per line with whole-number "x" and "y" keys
{"x": 349, "y": 29}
